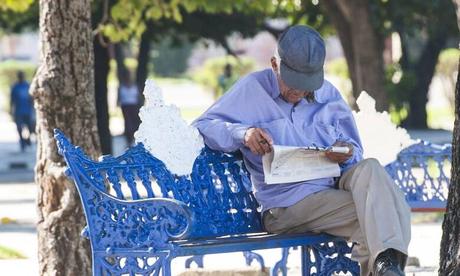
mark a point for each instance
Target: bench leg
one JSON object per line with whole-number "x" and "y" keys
{"x": 198, "y": 259}
{"x": 281, "y": 265}
{"x": 97, "y": 267}
{"x": 306, "y": 263}
{"x": 166, "y": 267}
{"x": 251, "y": 256}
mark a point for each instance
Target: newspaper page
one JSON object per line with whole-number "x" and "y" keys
{"x": 286, "y": 164}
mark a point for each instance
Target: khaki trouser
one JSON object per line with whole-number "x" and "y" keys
{"x": 368, "y": 208}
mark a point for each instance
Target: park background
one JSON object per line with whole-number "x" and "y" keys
{"x": 403, "y": 53}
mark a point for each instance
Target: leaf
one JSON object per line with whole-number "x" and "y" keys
{"x": 154, "y": 13}
{"x": 115, "y": 34}
{"x": 177, "y": 16}
{"x": 15, "y": 5}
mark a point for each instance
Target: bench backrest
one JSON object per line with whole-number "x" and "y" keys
{"x": 422, "y": 171}
{"x": 218, "y": 191}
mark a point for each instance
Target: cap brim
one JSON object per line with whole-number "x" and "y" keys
{"x": 302, "y": 81}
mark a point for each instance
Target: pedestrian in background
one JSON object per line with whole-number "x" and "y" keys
{"x": 226, "y": 80}
{"x": 130, "y": 102}
{"x": 22, "y": 110}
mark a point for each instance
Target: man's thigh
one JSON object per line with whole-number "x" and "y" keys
{"x": 330, "y": 211}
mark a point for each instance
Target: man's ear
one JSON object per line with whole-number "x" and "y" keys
{"x": 274, "y": 64}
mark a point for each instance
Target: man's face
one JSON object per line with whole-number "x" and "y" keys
{"x": 289, "y": 94}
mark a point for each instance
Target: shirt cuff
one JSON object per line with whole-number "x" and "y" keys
{"x": 238, "y": 133}
{"x": 355, "y": 158}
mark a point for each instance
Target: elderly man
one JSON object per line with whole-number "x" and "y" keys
{"x": 291, "y": 104}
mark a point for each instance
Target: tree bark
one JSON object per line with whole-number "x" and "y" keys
{"x": 449, "y": 261}
{"x": 362, "y": 46}
{"x": 101, "y": 72}
{"x": 63, "y": 89}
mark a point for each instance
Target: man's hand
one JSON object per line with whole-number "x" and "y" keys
{"x": 340, "y": 157}
{"x": 258, "y": 141}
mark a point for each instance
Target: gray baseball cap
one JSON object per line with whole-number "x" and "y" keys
{"x": 302, "y": 52}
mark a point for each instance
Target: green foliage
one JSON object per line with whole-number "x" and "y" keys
{"x": 440, "y": 117}
{"x": 448, "y": 62}
{"x": 412, "y": 16}
{"x": 447, "y": 70}
{"x": 8, "y": 253}
{"x": 15, "y": 21}
{"x": 130, "y": 63}
{"x": 398, "y": 114}
{"x": 209, "y": 73}
{"x": 9, "y": 69}
{"x": 15, "y": 5}
{"x": 337, "y": 67}
{"x": 398, "y": 86}
{"x": 399, "y": 83}
{"x": 129, "y": 18}
{"x": 165, "y": 52}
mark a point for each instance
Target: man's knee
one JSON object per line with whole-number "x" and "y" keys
{"x": 370, "y": 163}
{"x": 363, "y": 169}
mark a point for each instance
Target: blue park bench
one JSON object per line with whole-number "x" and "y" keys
{"x": 140, "y": 216}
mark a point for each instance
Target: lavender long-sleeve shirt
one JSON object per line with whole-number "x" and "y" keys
{"x": 255, "y": 101}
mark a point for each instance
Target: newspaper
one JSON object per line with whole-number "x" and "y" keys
{"x": 286, "y": 164}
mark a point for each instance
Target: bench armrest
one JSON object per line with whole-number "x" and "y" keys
{"x": 137, "y": 224}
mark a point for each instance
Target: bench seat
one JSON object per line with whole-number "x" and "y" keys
{"x": 254, "y": 241}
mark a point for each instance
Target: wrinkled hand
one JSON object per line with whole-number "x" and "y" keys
{"x": 258, "y": 141}
{"x": 340, "y": 157}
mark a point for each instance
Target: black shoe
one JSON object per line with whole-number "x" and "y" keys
{"x": 388, "y": 263}
{"x": 402, "y": 259}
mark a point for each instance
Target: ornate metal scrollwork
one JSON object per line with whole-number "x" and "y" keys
{"x": 331, "y": 258}
{"x": 421, "y": 171}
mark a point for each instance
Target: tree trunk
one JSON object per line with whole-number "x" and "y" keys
{"x": 424, "y": 70}
{"x": 63, "y": 89}
{"x": 449, "y": 261}
{"x": 120, "y": 60}
{"x": 101, "y": 72}
{"x": 143, "y": 59}
{"x": 457, "y": 11}
{"x": 362, "y": 46}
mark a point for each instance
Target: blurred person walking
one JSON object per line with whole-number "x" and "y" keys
{"x": 130, "y": 102}
{"x": 22, "y": 109}
{"x": 226, "y": 80}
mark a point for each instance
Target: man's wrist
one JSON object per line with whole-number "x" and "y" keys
{"x": 239, "y": 133}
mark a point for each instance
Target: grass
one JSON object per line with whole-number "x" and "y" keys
{"x": 429, "y": 217}
{"x": 8, "y": 253}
